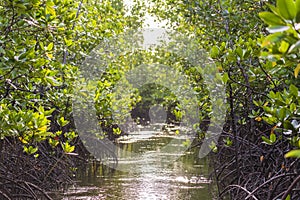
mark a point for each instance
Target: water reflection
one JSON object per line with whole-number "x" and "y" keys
{"x": 149, "y": 174}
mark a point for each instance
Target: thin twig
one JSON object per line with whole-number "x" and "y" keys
{"x": 268, "y": 181}
{"x": 227, "y": 189}
{"x": 5, "y": 195}
{"x": 288, "y": 191}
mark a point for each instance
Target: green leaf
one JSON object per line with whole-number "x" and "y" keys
{"x": 49, "y": 112}
{"x": 21, "y": 6}
{"x": 273, "y": 137}
{"x": 214, "y": 52}
{"x": 62, "y": 122}
{"x": 273, "y": 38}
{"x": 288, "y": 125}
{"x": 30, "y": 150}
{"x": 272, "y": 95}
{"x": 284, "y": 46}
{"x": 271, "y": 19}
{"x": 50, "y": 46}
{"x": 68, "y": 42}
{"x": 293, "y": 107}
{"x": 67, "y": 147}
{"x": 23, "y": 55}
{"x": 52, "y": 81}
{"x": 42, "y": 45}
{"x": 266, "y": 140}
{"x": 288, "y": 197}
{"x": 53, "y": 142}
{"x": 213, "y": 147}
{"x": 298, "y": 17}
{"x": 294, "y": 90}
{"x": 2, "y": 51}
{"x": 240, "y": 52}
{"x": 50, "y": 8}
{"x": 274, "y": 9}
{"x": 298, "y": 11}
{"x": 225, "y": 78}
{"x": 275, "y": 29}
{"x": 293, "y": 154}
{"x": 297, "y": 69}
{"x": 117, "y": 131}
{"x": 294, "y": 47}
{"x": 71, "y": 135}
{"x": 281, "y": 114}
{"x": 287, "y": 9}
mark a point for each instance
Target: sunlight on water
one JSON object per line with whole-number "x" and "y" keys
{"x": 150, "y": 174}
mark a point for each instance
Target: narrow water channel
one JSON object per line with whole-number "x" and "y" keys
{"x": 148, "y": 173}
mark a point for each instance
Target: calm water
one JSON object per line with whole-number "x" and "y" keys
{"x": 146, "y": 171}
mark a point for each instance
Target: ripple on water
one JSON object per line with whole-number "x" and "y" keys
{"x": 151, "y": 174}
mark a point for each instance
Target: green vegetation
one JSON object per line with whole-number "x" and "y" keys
{"x": 281, "y": 47}
{"x": 255, "y": 46}
{"x": 42, "y": 43}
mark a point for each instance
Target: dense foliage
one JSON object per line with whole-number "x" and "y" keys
{"x": 261, "y": 66}
{"x": 43, "y": 43}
